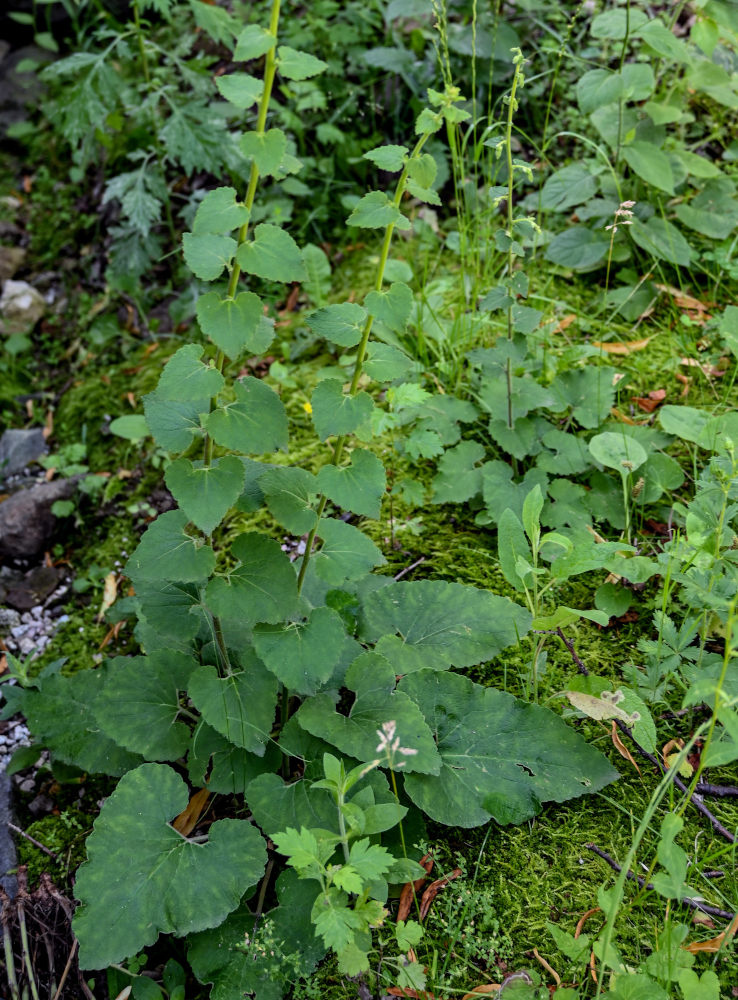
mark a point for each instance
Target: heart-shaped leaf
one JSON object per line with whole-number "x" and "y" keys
{"x": 207, "y": 256}
{"x": 254, "y": 41}
{"x": 289, "y": 494}
{"x": 166, "y": 547}
{"x": 358, "y": 487}
{"x": 302, "y": 655}
{"x": 167, "y": 884}
{"x": 341, "y": 323}
{"x": 234, "y": 325}
{"x": 262, "y": 588}
{"x": 255, "y": 421}
{"x": 272, "y": 254}
{"x": 206, "y": 494}
{"x": 174, "y": 423}
{"x": 219, "y": 212}
{"x": 266, "y": 149}
{"x": 185, "y": 377}
{"x": 240, "y": 89}
{"x": 335, "y": 412}
{"x": 376, "y": 210}
{"x": 346, "y": 553}
{"x": 391, "y": 306}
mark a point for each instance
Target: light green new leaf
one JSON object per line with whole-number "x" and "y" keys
{"x": 302, "y": 655}
{"x": 346, "y": 553}
{"x": 650, "y": 163}
{"x": 441, "y": 624}
{"x": 139, "y": 704}
{"x": 207, "y": 256}
{"x": 173, "y": 424}
{"x": 166, "y": 550}
{"x": 265, "y": 148}
{"x": 289, "y": 493}
{"x": 206, "y": 493}
{"x": 241, "y": 706}
{"x": 686, "y": 422}
{"x": 254, "y": 41}
{"x": 390, "y": 158}
{"x": 358, "y": 487}
{"x": 335, "y": 412}
{"x": 240, "y": 89}
{"x": 375, "y": 211}
{"x": 272, "y": 254}
{"x": 169, "y": 884}
{"x": 422, "y": 169}
{"x": 62, "y": 717}
{"x": 502, "y": 758}
{"x": 262, "y": 588}
{"x": 662, "y": 240}
{"x": 372, "y": 678}
{"x": 342, "y": 324}
{"x": 295, "y": 65}
{"x": 255, "y": 422}
{"x": 185, "y": 377}
{"x": 391, "y": 306}
{"x": 219, "y": 212}
{"x": 234, "y": 325}
{"x": 131, "y": 427}
{"x": 512, "y": 547}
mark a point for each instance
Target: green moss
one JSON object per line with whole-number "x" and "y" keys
{"x": 63, "y": 834}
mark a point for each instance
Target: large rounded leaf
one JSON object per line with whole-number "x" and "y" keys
{"x": 143, "y": 878}
{"x": 502, "y": 758}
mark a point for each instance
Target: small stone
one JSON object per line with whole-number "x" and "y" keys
{"x": 26, "y": 521}
{"x": 18, "y": 448}
{"x": 9, "y": 618}
{"x": 21, "y": 307}
{"x": 27, "y": 785}
{"x": 41, "y": 805}
{"x": 11, "y": 260}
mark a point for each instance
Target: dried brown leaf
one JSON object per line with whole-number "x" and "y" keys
{"x": 189, "y": 817}
{"x": 620, "y": 347}
{"x": 433, "y": 889}
{"x": 621, "y": 747}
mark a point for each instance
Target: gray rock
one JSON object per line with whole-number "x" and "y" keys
{"x": 11, "y": 260}
{"x": 21, "y": 307}
{"x": 8, "y": 858}
{"x": 26, "y": 521}
{"x": 9, "y": 618}
{"x": 18, "y": 448}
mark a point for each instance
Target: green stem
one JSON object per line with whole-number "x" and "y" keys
{"x": 141, "y": 46}
{"x": 360, "y": 355}
{"x": 26, "y": 950}
{"x": 9, "y": 960}
{"x": 510, "y": 216}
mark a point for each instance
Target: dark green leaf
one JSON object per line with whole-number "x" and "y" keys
{"x": 302, "y": 655}
{"x": 358, "y": 487}
{"x": 173, "y": 424}
{"x": 376, "y": 210}
{"x": 240, "y": 706}
{"x": 342, "y": 324}
{"x": 206, "y": 493}
{"x": 346, "y": 553}
{"x": 662, "y": 240}
{"x": 335, "y": 412}
{"x": 255, "y": 422}
{"x": 165, "y": 547}
{"x": 214, "y": 762}
{"x": 289, "y": 494}
{"x": 272, "y": 254}
{"x": 185, "y": 377}
{"x": 577, "y": 248}
{"x": 262, "y": 588}
{"x": 234, "y": 325}
{"x": 208, "y": 256}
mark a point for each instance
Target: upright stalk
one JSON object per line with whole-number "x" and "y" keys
{"x": 511, "y": 108}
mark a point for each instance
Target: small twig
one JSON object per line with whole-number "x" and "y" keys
{"x": 67, "y": 967}
{"x": 36, "y": 843}
{"x": 262, "y": 897}
{"x": 719, "y": 791}
{"x": 572, "y": 651}
{"x": 696, "y": 798}
{"x": 693, "y": 904}
{"x": 409, "y": 568}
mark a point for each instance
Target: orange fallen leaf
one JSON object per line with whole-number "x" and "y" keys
{"x": 410, "y": 889}
{"x": 49, "y": 475}
{"x": 712, "y": 371}
{"x": 623, "y": 417}
{"x": 621, "y": 747}
{"x": 48, "y": 428}
{"x": 433, "y": 889}
{"x": 685, "y": 382}
{"x": 649, "y": 403}
{"x": 486, "y": 988}
{"x": 112, "y": 633}
{"x": 717, "y": 943}
{"x": 397, "y": 991}
{"x": 131, "y": 399}
{"x": 564, "y": 323}
{"x": 110, "y": 592}
{"x": 187, "y": 820}
{"x": 620, "y": 347}
{"x": 3, "y": 663}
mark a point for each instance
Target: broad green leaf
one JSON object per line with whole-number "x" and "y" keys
{"x": 589, "y": 392}
{"x": 650, "y": 163}
{"x": 564, "y": 616}
{"x": 502, "y": 758}
{"x": 170, "y": 885}
{"x": 661, "y": 473}
{"x": 441, "y": 624}
{"x": 386, "y": 363}
{"x": 596, "y": 88}
{"x": 638, "y": 80}
{"x": 618, "y": 451}
{"x": 139, "y": 704}
{"x": 132, "y": 427}
{"x": 275, "y": 805}
{"x": 342, "y": 324}
{"x": 358, "y": 487}
{"x": 295, "y": 65}
{"x": 346, "y": 553}
{"x": 459, "y": 478}
{"x": 662, "y": 240}
{"x": 289, "y": 494}
{"x": 302, "y": 655}
{"x": 376, "y": 210}
{"x": 165, "y": 549}
{"x": 185, "y": 377}
{"x": 219, "y": 212}
{"x": 255, "y": 421}
{"x": 569, "y": 186}
{"x": 578, "y": 248}
{"x": 234, "y": 325}
{"x": 422, "y": 169}
{"x": 500, "y": 492}
{"x": 170, "y": 614}
{"x": 254, "y": 41}
{"x": 272, "y": 254}
{"x": 173, "y": 424}
{"x": 390, "y": 158}
{"x": 207, "y": 256}
{"x": 715, "y": 225}
{"x": 240, "y": 89}
{"x": 240, "y": 706}
{"x": 216, "y": 22}
{"x": 265, "y": 148}
{"x": 392, "y": 305}
{"x": 656, "y": 35}
{"x": 206, "y": 493}
{"x": 512, "y": 547}
{"x": 62, "y": 716}
{"x": 335, "y": 412}
{"x": 685, "y": 422}
{"x": 618, "y": 23}
{"x": 214, "y": 762}
{"x": 372, "y": 678}
{"x": 263, "y": 586}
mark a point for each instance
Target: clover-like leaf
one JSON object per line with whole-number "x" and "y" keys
{"x": 185, "y": 377}
{"x": 234, "y": 325}
{"x": 208, "y": 255}
{"x": 341, "y": 323}
{"x": 358, "y": 487}
{"x": 376, "y": 210}
{"x": 165, "y": 549}
{"x": 302, "y": 655}
{"x": 262, "y": 588}
{"x": 272, "y": 254}
{"x": 501, "y": 758}
{"x": 255, "y": 421}
{"x": 266, "y": 149}
{"x": 168, "y": 884}
{"x": 206, "y": 493}
{"x": 441, "y": 624}
{"x": 377, "y": 701}
{"x": 289, "y": 493}
{"x": 335, "y": 412}
{"x": 240, "y": 706}
{"x": 219, "y": 212}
